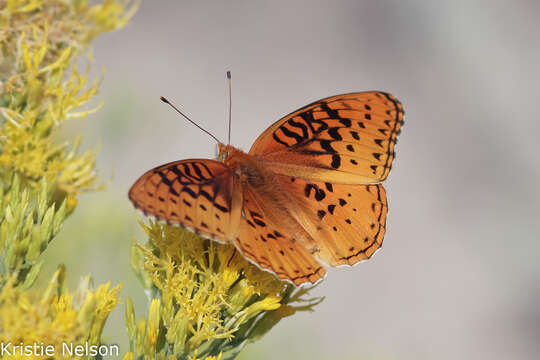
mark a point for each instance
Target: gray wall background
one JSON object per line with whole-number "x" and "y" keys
{"x": 457, "y": 277}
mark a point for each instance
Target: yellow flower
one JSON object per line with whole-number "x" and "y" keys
{"x": 54, "y": 318}
{"x": 195, "y": 357}
{"x": 40, "y": 87}
{"x": 208, "y": 300}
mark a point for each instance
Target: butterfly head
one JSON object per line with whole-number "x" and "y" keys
{"x": 224, "y": 151}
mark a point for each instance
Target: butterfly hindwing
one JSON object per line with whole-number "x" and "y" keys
{"x": 264, "y": 242}
{"x": 196, "y": 194}
{"x": 346, "y": 138}
{"x": 347, "y": 221}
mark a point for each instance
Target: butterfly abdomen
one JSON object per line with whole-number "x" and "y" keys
{"x": 269, "y": 194}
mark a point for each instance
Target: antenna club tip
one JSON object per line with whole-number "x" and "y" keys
{"x": 228, "y": 74}
{"x": 164, "y": 100}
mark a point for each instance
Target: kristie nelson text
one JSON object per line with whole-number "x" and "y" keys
{"x": 66, "y": 349}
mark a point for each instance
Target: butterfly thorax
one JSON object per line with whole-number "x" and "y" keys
{"x": 247, "y": 167}
{"x": 266, "y": 190}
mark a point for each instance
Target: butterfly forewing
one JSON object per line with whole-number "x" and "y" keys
{"x": 197, "y": 194}
{"x": 347, "y": 138}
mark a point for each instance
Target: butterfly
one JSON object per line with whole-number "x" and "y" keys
{"x": 307, "y": 194}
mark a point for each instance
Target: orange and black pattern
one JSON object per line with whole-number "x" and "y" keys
{"x": 348, "y": 221}
{"x": 308, "y": 192}
{"x": 264, "y": 242}
{"x": 196, "y": 194}
{"x": 352, "y": 133}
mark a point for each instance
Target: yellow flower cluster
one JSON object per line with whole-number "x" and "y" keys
{"x": 55, "y": 319}
{"x": 207, "y": 300}
{"x": 40, "y": 87}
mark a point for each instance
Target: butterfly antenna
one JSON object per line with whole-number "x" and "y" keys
{"x": 187, "y": 118}
{"x": 230, "y": 106}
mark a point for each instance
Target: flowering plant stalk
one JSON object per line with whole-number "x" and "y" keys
{"x": 40, "y": 88}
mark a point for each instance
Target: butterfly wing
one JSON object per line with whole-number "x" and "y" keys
{"x": 271, "y": 244}
{"x": 204, "y": 196}
{"x": 198, "y": 194}
{"x": 347, "y": 221}
{"x": 346, "y": 138}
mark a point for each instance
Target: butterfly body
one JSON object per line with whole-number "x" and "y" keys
{"x": 307, "y": 193}
{"x": 254, "y": 176}
{"x": 250, "y": 170}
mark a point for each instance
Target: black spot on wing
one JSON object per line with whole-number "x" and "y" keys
{"x": 319, "y": 193}
{"x": 334, "y": 133}
{"x": 336, "y": 161}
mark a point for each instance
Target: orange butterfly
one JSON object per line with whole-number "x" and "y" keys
{"x": 307, "y": 193}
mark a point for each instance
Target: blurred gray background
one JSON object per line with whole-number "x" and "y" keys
{"x": 457, "y": 277}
